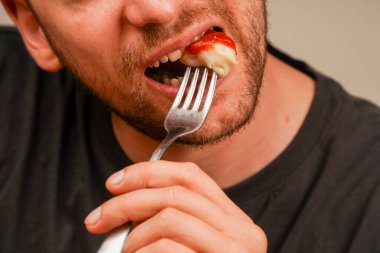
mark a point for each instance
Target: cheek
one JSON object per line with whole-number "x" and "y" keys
{"x": 85, "y": 47}
{"x": 87, "y": 37}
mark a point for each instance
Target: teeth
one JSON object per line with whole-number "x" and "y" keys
{"x": 167, "y": 80}
{"x": 175, "y": 82}
{"x": 164, "y": 59}
{"x": 197, "y": 37}
{"x": 175, "y": 56}
{"x": 170, "y": 81}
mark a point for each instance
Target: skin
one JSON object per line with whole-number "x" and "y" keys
{"x": 177, "y": 206}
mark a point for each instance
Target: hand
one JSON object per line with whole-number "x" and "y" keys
{"x": 175, "y": 207}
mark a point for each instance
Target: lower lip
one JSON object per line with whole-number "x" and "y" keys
{"x": 171, "y": 92}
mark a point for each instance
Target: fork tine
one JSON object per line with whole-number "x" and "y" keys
{"x": 201, "y": 90}
{"x": 210, "y": 93}
{"x": 182, "y": 88}
{"x": 190, "y": 93}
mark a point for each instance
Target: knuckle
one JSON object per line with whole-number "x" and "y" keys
{"x": 123, "y": 200}
{"x": 162, "y": 245}
{"x": 237, "y": 248}
{"x": 192, "y": 169}
{"x": 175, "y": 194}
{"x": 252, "y": 239}
{"x": 167, "y": 215}
{"x": 139, "y": 175}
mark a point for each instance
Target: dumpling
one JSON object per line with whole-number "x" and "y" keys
{"x": 215, "y": 50}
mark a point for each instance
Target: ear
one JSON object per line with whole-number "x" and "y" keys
{"x": 32, "y": 34}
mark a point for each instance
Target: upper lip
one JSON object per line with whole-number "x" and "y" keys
{"x": 179, "y": 42}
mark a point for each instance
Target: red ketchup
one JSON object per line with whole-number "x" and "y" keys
{"x": 208, "y": 41}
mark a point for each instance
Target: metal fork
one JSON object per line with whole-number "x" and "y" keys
{"x": 183, "y": 118}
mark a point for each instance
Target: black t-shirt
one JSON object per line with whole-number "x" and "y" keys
{"x": 57, "y": 148}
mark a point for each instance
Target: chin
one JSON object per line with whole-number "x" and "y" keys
{"x": 219, "y": 126}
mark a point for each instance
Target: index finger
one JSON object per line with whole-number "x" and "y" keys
{"x": 158, "y": 174}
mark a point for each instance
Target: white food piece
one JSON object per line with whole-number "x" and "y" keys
{"x": 220, "y": 58}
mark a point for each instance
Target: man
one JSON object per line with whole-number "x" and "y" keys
{"x": 287, "y": 161}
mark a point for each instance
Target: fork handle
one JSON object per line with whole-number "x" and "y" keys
{"x": 116, "y": 239}
{"x": 164, "y": 145}
{"x": 114, "y": 243}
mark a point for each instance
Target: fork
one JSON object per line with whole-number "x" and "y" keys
{"x": 184, "y": 117}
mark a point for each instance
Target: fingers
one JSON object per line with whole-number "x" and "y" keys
{"x": 165, "y": 245}
{"x": 179, "y": 227}
{"x": 156, "y": 174}
{"x": 142, "y": 204}
{"x": 175, "y": 207}
{"x": 159, "y": 174}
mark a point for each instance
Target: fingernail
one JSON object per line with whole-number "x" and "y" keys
{"x": 93, "y": 217}
{"x": 116, "y": 178}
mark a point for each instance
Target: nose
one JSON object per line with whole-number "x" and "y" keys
{"x": 142, "y": 12}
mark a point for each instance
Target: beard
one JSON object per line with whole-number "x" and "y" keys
{"x": 126, "y": 95}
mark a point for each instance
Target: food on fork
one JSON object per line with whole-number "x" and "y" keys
{"x": 215, "y": 50}
{"x": 212, "y": 49}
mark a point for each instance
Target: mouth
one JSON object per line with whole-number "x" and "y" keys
{"x": 168, "y": 69}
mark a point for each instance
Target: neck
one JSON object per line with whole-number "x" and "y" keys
{"x": 286, "y": 96}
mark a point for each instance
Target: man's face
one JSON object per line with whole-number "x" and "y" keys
{"x": 108, "y": 45}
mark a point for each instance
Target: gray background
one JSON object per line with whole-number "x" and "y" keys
{"x": 341, "y": 38}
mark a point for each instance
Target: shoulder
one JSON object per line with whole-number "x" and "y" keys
{"x": 352, "y": 142}
{"x": 347, "y": 188}
{"x": 356, "y": 123}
